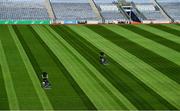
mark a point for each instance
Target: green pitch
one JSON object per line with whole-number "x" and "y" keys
{"x": 143, "y": 71}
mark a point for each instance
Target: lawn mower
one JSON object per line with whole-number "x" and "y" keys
{"x": 45, "y": 82}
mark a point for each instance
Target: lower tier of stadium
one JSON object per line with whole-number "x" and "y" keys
{"x": 88, "y": 11}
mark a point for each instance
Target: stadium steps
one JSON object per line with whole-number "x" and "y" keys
{"x": 138, "y": 13}
{"x": 49, "y": 9}
{"x": 123, "y": 12}
{"x": 163, "y": 11}
{"x": 92, "y": 4}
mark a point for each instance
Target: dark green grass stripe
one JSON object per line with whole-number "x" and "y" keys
{"x": 38, "y": 70}
{"x": 153, "y": 37}
{"x": 25, "y": 91}
{"x": 29, "y": 54}
{"x": 167, "y": 29}
{"x": 107, "y": 90}
{"x": 60, "y": 66}
{"x": 123, "y": 80}
{"x": 76, "y": 87}
{"x": 4, "y": 105}
{"x": 163, "y": 65}
{"x": 149, "y": 57}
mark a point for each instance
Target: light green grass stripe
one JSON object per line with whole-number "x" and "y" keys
{"x": 96, "y": 93}
{"x": 161, "y": 33}
{"x": 32, "y": 74}
{"x": 12, "y": 98}
{"x": 78, "y": 72}
{"x": 155, "y": 47}
{"x": 154, "y": 79}
{"x": 173, "y": 26}
{"x": 115, "y": 91}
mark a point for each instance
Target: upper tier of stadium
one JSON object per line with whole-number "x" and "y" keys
{"x": 90, "y": 11}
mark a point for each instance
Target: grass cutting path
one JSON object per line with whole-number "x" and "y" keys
{"x": 83, "y": 71}
{"x": 123, "y": 80}
{"x": 4, "y": 103}
{"x": 147, "y": 43}
{"x": 62, "y": 95}
{"x": 144, "y": 72}
{"x": 173, "y": 26}
{"x": 167, "y": 29}
{"x": 158, "y": 62}
{"x": 9, "y": 87}
{"x": 23, "y": 87}
{"x": 41, "y": 95}
{"x": 162, "y": 34}
{"x": 144, "y": 31}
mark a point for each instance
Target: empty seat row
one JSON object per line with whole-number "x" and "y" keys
{"x": 172, "y": 9}
{"x": 73, "y": 11}
{"x": 23, "y": 9}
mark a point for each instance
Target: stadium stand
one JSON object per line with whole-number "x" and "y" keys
{"x": 71, "y": 11}
{"x": 172, "y": 8}
{"x": 151, "y": 11}
{"x": 22, "y": 10}
{"x": 88, "y": 11}
{"x": 110, "y": 12}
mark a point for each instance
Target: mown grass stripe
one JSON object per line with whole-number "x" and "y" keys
{"x": 104, "y": 83}
{"x": 121, "y": 99}
{"x": 23, "y": 86}
{"x": 71, "y": 81}
{"x": 163, "y": 65}
{"x": 123, "y": 80}
{"x": 76, "y": 71}
{"x": 62, "y": 95}
{"x": 144, "y": 72}
{"x": 100, "y": 103}
{"x": 12, "y": 98}
{"x": 166, "y": 29}
{"x": 152, "y": 36}
{"x": 98, "y": 94}
{"x": 4, "y": 105}
{"x": 32, "y": 74}
{"x": 34, "y": 63}
{"x": 173, "y": 26}
{"x": 177, "y": 24}
{"x": 161, "y": 33}
{"x": 109, "y": 91}
{"x": 155, "y": 47}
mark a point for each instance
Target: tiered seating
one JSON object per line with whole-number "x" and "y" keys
{"x": 140, "y": 1}
{"x": 109, "y": 10}
{"x": 149, "y": 10}
{"x": 154, "y": 15}
{"x": 22, "y": 10}
{"x": 105, "y": 1}
{"x": 113, "y": 16}
{"x": 73, "y": 10}
{"x": 172, "y": 7}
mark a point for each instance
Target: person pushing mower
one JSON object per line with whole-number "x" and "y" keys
{"x": 102, "y": 58}
{"x": 45, "y": 82}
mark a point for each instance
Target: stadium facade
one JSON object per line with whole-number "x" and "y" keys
{"x": 89, "y": 11}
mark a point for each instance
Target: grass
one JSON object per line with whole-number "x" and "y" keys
{"x": 41, "y": 58}
{"x": 143, "y": 72}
